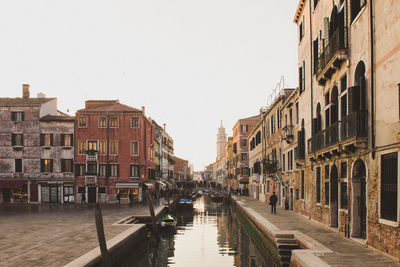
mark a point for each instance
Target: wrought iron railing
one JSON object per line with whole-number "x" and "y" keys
{"x": 338, "y": 41}
{"x": 353, "y": 125}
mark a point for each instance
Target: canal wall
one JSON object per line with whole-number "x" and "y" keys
{"x": 121, "y": 246}
{"x": 286, "y": 247}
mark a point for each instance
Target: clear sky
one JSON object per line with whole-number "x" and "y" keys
{"x": 191, "y": 63}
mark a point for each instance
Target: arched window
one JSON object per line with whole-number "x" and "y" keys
{"x": 355, "y": 7}
{"x": 334, "y": 105}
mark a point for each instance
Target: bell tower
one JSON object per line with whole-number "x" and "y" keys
{"x": 221, "y": 141}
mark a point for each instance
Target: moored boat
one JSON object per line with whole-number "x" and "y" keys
{"x": 185, "y": 203}
{"x": 167, "y": 221}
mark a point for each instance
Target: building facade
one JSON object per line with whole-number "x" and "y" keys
{"x": 113, "y": 151}
{"x": 348, "y": 60}
{"x": 36, "y": 144}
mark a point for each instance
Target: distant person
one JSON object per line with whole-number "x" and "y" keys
{"x": 119, "y": 197}
{"x": 130, "y": 197}
{"x": 272, "y": 201}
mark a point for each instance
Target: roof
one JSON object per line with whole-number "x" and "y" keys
{"x": 299, "y": 11}
{"x": 114, "y": 107}
{"x": 23, "y": 102}
{"x": 61, "y": 117}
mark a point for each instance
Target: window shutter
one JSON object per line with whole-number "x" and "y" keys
{"x": 77, "y": 170}
{"x": 62, "y": 141}
{"x": 22, "y": 116}
{"x": 314, "y": 126}
{"x": 354, "y": 98}
{"x": 363, "y": 94}
{"x": 22, "y": 139}
{"x": 51, "y": 165}
{"x": 62, "y": 165}
{"x": 42, "y": 165}
{"x": 41, "y": 139}
{"x": 304, "y": 75}
{"x": 108, "y": 170}
{"x": 12, "y": 115}
{"x": 71, "y": 139}
{"x": 13, "y": 139}
{"x": 326, "y": 30}
{"x": 51, "y": 139}
{"x": 117, "y": 170}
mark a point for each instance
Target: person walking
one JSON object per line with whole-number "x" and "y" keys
{"x": 272, "y": 201}
{"x": 83, "y": 197}
{"x": 119, "y": 197}
{"x": 130, "y": 197}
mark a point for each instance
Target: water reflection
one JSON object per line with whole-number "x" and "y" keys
{"x": 206, "y": 236}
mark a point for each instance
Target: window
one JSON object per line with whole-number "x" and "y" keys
{"x": 318, "y": 183}
{"x": 283, "y": 163}
{"x": 66, "y": 165}
{"x": 301, "y": 30}
{"x": 297, "y": 194}
{"x": 135, "y": 171}
{"x": 243, "y": 156}
{"x": 46, "y": 165}
{"x": 356, "y": 6}
{"x": 315, "y": 3}
{"x": 81, "y": 147}
{"x": 134, "y": 148}
{"x": 343, "y": 170}
{"x": 389, "y": 186}
{"x": 290, "y": 160}
{"x": 268, "y": 186}
{"x": 343, "y": 195}
{"x": 113, "y": 147}
{"x": 302, "y": 184}
{"x": 102, "y": 147}
{"x": 290, "y": 117}
{"x": 102, "y": 122}
{"x": 82, "y": 123}
{"x": 272, "y": 124}
{"x": 134, "y": 122}
{"x": 17, "y": 139}
{"x": 18, "y": 165}
{"x": 91, "y": 169}
{"x": 244, "y": 128}
{"x": 92, "y": 145}
{"x": 102, "y": 189}
{"x": 245, "y": 171}
{"x": 66, "y": 139}
{"x": 114, "y": 122}
{"x": 46, "y": 139}
{"x": 17, "y": 116}
{"x": 244, "y": 142}
{"x": 301, "y": 89}
{"x": 326, "y": 192}
{"x": 102, "y": 170}
{"x": 114, "y": 170}
{"x": 278, "y": 118}
{"x": 297, "y": 113}
{"x": 80, "y": 170}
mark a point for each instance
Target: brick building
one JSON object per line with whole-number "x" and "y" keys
{"x": 36, "y": 150}
{"x": 114, "y": 151}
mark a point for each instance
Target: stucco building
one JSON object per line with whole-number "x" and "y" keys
{"x": 113, "y": 151}
{"x": 348, "y": 59}
{"x": 36, "y": 150}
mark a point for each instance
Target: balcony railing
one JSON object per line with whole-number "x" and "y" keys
{"x": 91, "y": 156}
{"x": 287, "y": 132}
{"x": 337, "y": 42}
{"x": 352, "y": 126}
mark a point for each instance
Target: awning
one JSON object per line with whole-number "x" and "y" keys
{"x": 244, "y": 180}
{"x": 12, "y": 183}
{"x": 149, "y": 185}
{"x": 127, "y": 185}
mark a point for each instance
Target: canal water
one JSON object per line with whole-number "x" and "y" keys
{"x": 210, "y": 235}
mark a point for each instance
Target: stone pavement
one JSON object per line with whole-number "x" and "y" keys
{"x": 54, "y": 235}
{"x": 345, "y": 252}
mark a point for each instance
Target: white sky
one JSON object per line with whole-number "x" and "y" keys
{"x": 191, "y": 63}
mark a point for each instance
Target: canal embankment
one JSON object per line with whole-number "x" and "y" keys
{"x": 316, "y": 244}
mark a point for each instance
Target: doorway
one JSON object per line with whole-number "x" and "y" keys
{"x": 91, "y": 194}
{"x": 359, "y": 207}
{"x": 291, "y": 198}
{"x": 334, "y": 197}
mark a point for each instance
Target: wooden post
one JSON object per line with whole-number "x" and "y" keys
{"x": 153, "y": 216}
{"x": 100, "y": 235}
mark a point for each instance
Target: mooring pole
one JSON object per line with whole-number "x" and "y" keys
{"x": 100, "y": 235}
{"x": 153, "y": 216}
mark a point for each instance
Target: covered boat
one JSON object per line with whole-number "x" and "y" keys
{"x": 167, "y": 221}
{"x": 185, "y": 203}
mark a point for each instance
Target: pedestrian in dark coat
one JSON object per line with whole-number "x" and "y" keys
{"x": 272, "y": 201}
{"x": 83, "y": 197}
{"x": 130, "y": 197}
{"x": 119, "y": 197}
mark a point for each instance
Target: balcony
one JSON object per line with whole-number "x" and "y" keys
{"x": 352, "y": 126}
{"x": 287, "y": 133}
{"x": 90, "y": 180}
{"x": 92, "y": 156}
{"x": 333, "y": 55}
{"x": 270, "y": 166}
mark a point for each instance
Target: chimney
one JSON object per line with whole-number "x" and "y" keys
{"x": 165, "y": 126}
{"x": 144, "y": 110}
{"x": 25, "y": 90}
{"x": 41, "y": 95}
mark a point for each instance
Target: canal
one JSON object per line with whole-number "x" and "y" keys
{"x": 213, "y": 234}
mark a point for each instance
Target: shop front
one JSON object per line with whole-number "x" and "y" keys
{"x": 56, "y": 192}
{"x": 125, "y": 187}
{"x": 13, "y": 191}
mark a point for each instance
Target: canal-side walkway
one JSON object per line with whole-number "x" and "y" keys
{"x": 326, "y": 246}
{"x": 54, "y": 235}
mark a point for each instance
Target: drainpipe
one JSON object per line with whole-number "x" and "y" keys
{"x": 372, "y": 79}
{"x": 311, "y": 75}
